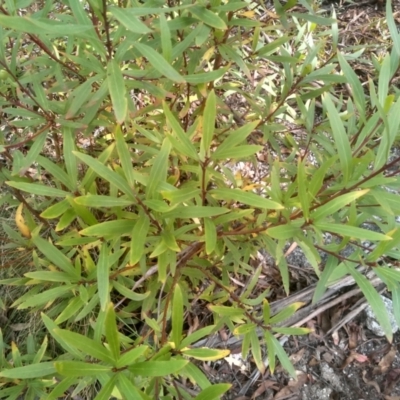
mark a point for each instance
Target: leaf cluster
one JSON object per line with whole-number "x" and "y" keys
{"x": 150, "y": 150}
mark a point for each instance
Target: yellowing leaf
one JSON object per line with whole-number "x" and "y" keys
{"x": 20, "y": 222}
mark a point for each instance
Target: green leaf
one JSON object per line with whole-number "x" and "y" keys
{"x": 29, "y": 371}
{"x": 55, "y": 256}
{"x": 124, "y": 156}
{"x": 187, "y": 146}
{"x": 98, "y": 201}
{"x": 196, "y": 375}
{"x": 208, "y": 17}
{"x": 210, "y": 234}
{"x": 195, "y": 212}
{"x": 129, "y": 390}
{"x": 302, "y": 188}
{"x": 129, "y": 294}
{"x": 86, "y": 345}
{"x": 248, "y": 198}
{"x": 35, "y": 188}
{"x": 159, "y": 170}
{"x": 129, "y": 21}
{"x": 271, "y": 350}
{"x": 337, "y": 204}
{"x": 197, "y": 335}
{"x": 138, "y": 238}
{"x": 209, "y": 115}
{"x": 330, "y": 266}
{"x": 392, "y": 25}
{"x": 103, "y": 278}
{"x": 50, "y": 276}
{"x": 180, "y": 195}
{"x": 109, "y": 228}
{"x": 56, "y": 171}
{"x": 355, "y": 84}
{"x": 76, "y": 368}
{"x": 350, "y": 231}
{"x": 339, "y": 136}
{"x": 238, "y": 152}
{"x": 283, "y": 231}
{"x": 313, "y": 18}
{"x": 157, "y": 368}
{"x": 56, "y": 210}
{"x": 213, "y": 392}
{"x": 131, "y": 356}
{"x": 374, "y": 300}
{"x": 34, "y": 151}
{"x": 227, "y": 311}
{"x": 116, "y": 86}
{"x": 106, "y": 173}
{"x": 283, "y": 357}
{"x": 256, "y": 350}
{"x": 111, "y": 331}
{"x": 30, "y": 25}
{"x": 205, "y": 77}
{"x": 285, "y": 313}
{"x": 292, "y": 331}
{"x": 165, "y": 38}
{"x": 206, "y": 354}
{"x": 177, "y": 315}
{"x": 266, "y": 312}
{"x": 159, "y": 63}
{"x": 107, "y": 389}
{"x": 44, "y": 297}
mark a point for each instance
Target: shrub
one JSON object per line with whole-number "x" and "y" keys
{"x": 149, "y": 151}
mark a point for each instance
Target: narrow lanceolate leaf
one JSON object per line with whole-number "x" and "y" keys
{"x": 208, "y": 17}
{"x": 210, "y": 112}
{"x": 103, "y": 279}
{"x": 340, "y": 137}
{"x": 55, "y": 256}
{"x": 355, "y": 84}
{"x": 129, "y": 21}
{"x": 109, "y": 228}
{"x": 111, "y": 330}
{"x": 159, "y": 170}
{"x": 159, "y": 63}
{"x": 374, "y": 300}
{"x": 285, "y": 313}
{"x": 248, "y": 198}
{"x": 86, "y": 345}
{"x": 234, "y": 138}
{"x": 128, "y": 389}
{"x": 283, "y": 357}
{"x": 177, "y": 316}
{"x": 302, "y": 187}
{"x": 337, "y": 204}
{"x": 77, "y": 368}
{"x": 44, "y": 297}
{"x": 35, "y": 188}
{"x": 206, "y": 354}
{"x": 210, "y": 234}
{"x": 124, "y": 156}
{"x": 116, "y": 86}
{"x": 213, "y": 392}
{"x": 138, "y": 239}
{"x": 350, "y": 231}
{"x": 29, "y": 371}
{"x": 157, "y": 368}
{"x": 106, "y": 173}
{"x": 165, "y": 38}
{"x": 187, "y": 146}
{"x": 195, "y": 212}
{"x": 98, "y": 201}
